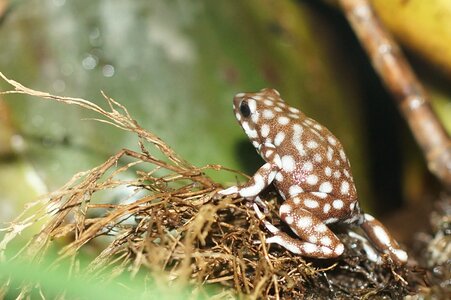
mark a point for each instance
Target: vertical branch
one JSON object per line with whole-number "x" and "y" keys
{"x": 397, "y": 75}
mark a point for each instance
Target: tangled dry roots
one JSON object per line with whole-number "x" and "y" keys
{"x": 169, "y": 220}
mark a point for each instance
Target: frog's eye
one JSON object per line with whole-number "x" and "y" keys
{"x": 244, "y": 109}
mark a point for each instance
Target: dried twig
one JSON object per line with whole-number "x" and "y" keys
{"x": 398, "y": 76}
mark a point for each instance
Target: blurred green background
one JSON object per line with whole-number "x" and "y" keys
{"x": 176, "y": 64}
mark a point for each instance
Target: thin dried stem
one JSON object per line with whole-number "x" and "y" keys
{"x": 402, "y": 82}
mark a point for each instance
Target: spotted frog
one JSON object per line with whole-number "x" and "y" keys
{"x": 311, "y": 171}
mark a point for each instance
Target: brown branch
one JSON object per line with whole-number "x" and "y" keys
{"x": 402, "y": 82}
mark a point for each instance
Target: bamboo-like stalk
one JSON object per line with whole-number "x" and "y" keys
{"x": 398, "y": 76}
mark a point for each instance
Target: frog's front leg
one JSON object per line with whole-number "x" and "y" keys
{"x": 316, "y": 239}
{"x": 261, "y": 179}
{"x": 382, "y": 239}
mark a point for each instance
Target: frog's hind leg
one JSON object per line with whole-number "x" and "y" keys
{"x": 317, "y": 239}
{"x": 382, "y": 239}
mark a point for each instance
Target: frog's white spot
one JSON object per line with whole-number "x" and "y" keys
{"x": 339, "y": 249}
{"x": 271, "y": 176}
{"x": 268, "y": 114}
{"x": 330, "y": 220}
{"x": 325, "y": 187}
{"x": 326, "y": 241}
{"x": 313, "y": 239}
{"x": 342, "y": 155}
{"x": 279, "y": 178}
{"x": 331, "y": 140}
{"x": 254, "y": 189}
{"x": 285, "y": 209}
{"x": 276, "y": 91}
{"x": 252, "y": 105}
{"x": 295, "y": 190}
{"x": 293, "y": 110}
{"x": 338, "y": 204}
{"x": 238, "y": 116}
{"x": 278, "y": 109}
{"x": 328, "y": 171}
{"x": 282, "y": 195}
{"x": 281, "y": 104}
{"x": 400, "y": 254}
{"x": 326, "y": 251}
{"x": 297, "y": 133}
{"x": 344, "y": 188}
{"x": 283, "y": 120}
{"x": 251, "y": 133}
{"x": 296, "y": 200}
{"x": 337, "y": 174}
{"x": 268, "y": 102}
{"x": 277, "y": 161}
{"x": 320, "y": 228}
{"x": 299, "y": 146}
{"x": 312, "y": 179}
{"x": 317, "y": 157}
{"x": 326, "y": 208}
{"x": 352, "y": 206}
{"x": 277, "y": 239}
{"x": 304, "y": 222}
{"x": 368, "y": 217}
{"x": 254, "y": 117}
{"x": 264, "y": 130}
{"x": 240, "y": 95}
{"x": 289, "y": 220}
{"x": 294, "y": 116}
{"x": 381, "y": 234}
{"x": 308, "y": 166}
{"x": 279, "y": 138}
{"x": 258, "y": 97}
{"x": 255, "y": 144}
{"x": 318, "y": 127}
{"x": 330, "y": 153}
{"x": 346, "y": 173}
{"x": 288, "y": 163}
{"x": 337, "y": 162}
{"x": 310, "y": 203}
{"x": 310, "y": 248}
{"x": 319, "y": 195}
{"x": 268, "y": 153}
{"x": 308, "y": 122}
{"x": 312, "y": 144}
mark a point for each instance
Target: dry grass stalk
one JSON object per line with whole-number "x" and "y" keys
{"x": 402, "y": 82}
{"x": 171, "y": 222}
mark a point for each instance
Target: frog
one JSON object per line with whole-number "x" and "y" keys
{"x": 308, "y": 167}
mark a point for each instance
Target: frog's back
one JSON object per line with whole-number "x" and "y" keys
{"x": 320, "y": 163}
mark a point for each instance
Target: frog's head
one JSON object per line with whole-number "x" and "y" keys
{"x": 259, "y": 114}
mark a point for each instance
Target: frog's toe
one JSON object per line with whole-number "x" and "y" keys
{"x": 229, "y": 191}
{"x": 398, "y": 255}
{"x": 262, "y": 204}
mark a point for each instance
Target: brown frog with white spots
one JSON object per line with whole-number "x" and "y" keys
{"x": 310, "y": 170}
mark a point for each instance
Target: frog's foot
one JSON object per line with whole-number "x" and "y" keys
{"x": 371, "y": 253}
{"x": 273, "y": 229}
{"x": 261, "y": 204}
{"x": 383, "y": 241}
